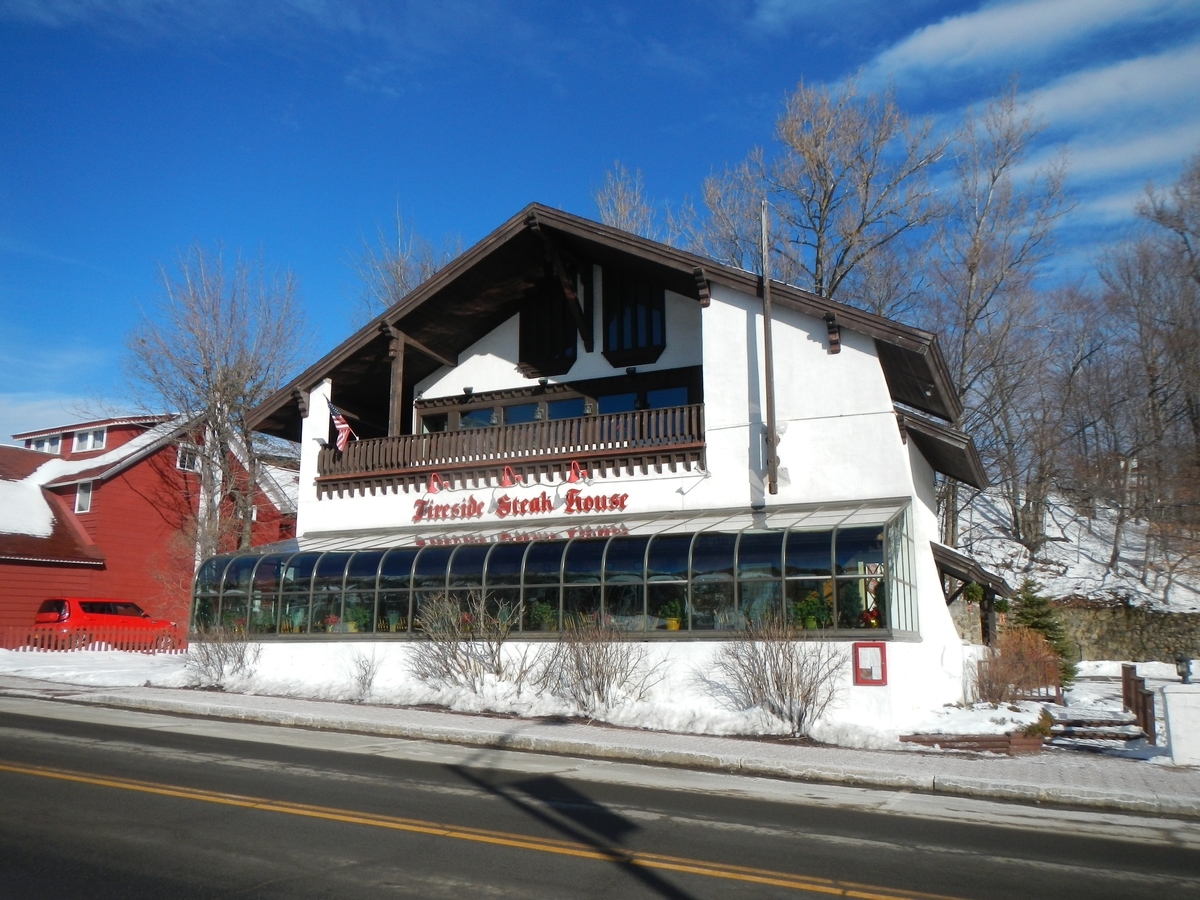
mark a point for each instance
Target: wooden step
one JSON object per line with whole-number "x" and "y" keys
{"x": 1011, "y": 744}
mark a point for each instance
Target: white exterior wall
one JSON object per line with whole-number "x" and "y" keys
{"x": 839, "y": 442}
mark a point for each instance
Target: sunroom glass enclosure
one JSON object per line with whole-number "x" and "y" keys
{"x": 710, "y": 581}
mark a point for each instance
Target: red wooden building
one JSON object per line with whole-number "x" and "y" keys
{"x": 107, "y": 509}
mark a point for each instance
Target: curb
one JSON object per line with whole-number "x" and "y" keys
{"x": 1149, "y": 804}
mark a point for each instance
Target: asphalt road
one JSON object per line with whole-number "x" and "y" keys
{"x": 97, "y": 803}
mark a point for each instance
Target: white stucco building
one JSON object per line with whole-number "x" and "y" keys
{"x": 573, "y": 421}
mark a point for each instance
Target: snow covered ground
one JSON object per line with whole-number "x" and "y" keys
{"x": 1074, "y": 562}
{"x": 679, "y": 700}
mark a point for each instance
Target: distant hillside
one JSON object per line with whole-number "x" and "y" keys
{"x": 1074, "y": 562}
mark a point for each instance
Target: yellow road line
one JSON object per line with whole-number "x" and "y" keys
{"x": 486, "y": 836}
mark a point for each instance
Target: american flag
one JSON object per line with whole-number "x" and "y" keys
{"x": 343, "y": 428}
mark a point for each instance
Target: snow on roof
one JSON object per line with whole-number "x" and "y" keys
{"x": 282, "y": 485}
{"x": 23, "y": 509}
{"x": 98, "y": 423}
{"x": 59, "y": 471}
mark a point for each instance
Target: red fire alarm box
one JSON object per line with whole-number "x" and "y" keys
{"x": 870, "y": 663}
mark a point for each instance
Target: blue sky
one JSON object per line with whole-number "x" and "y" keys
{"x": 293, "y": 128}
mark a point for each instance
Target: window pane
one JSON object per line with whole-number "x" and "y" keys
{"x": 856, "y": 547}
{"x": 810, "y": 603}
{"x": 712, "y": 606}
{"x": 625, "y": 558}
{"x": 298, "y": 571}
{"x": 541, "y": 608}
{"x": 617, "y": 403}
{"x": 393, "y": 611}
{"x": 809, "y": 553}
{"x": 565, "y": 409}
{"x": 504, "y": 564}
{"x": 361, "y": 573}
{"x": 476, "y": 418}
{"x": 624, "y": 604}
{"x": 760, "y": 601}
{"x": 759, "y": 554}
{"x": 581, "y": 605}
{"x": 520, "y": 414}
{"x": 667, "y": 602}
{"x": 208, "y": 580}
{"x": 668, "y": 557}
{"x": 435, "y": 423}
{"x": 664, "y": 397}
{"x": 431, "y": 567}
{"x": 359, "y": 611}
{"x": 583, "y": 561}
{"x": 712, "y": 557}
{"x": 466, "y": 568}
{"x": 331, "y": 570}
{"x": 542, "y": 563}
{"x": 397, "y": 568}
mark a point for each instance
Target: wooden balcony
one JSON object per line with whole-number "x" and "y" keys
{"x": 603, "y": 445}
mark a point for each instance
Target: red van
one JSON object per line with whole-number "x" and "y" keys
{"x": 78, "y": 621}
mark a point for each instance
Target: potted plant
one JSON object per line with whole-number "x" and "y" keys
{"x": 811, "y": 611}
{"x": 358, "y": 619}
{"x": 671, "y": 612}
{"x": 542, "y": 616}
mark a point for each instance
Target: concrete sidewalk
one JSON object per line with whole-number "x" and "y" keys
{"x": 1054, "y": 776}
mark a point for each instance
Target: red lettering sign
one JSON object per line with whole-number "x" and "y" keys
{"x": 507, "y": 506}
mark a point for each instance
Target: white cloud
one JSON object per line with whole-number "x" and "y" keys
{"x": 1007, "y": 32}
{"x": 1097, "y": 156}
{"x": 1164, "y": 81}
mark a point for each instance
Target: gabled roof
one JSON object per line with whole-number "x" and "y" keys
{"x": 485, "y": 286}
{"x": 98, "y": 423}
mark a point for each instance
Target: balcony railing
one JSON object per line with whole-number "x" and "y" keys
{"x": 640, "y": 439}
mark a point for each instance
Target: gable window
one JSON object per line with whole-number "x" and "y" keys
{"x": 89, "y": 440}
{"x": 50, "y": 444}
{"x": 83, "y": 497}
{"x": 187, "y": 458}
{"x": 635, "y": 331}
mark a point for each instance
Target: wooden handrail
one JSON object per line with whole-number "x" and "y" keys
{"x": 640, "y": 430}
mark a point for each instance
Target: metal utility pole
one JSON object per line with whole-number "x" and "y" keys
{"x": 772, "y": 437}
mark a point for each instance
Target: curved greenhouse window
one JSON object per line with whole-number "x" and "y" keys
{"x": 839, "y": 581}
{"x": 207, "y": 592}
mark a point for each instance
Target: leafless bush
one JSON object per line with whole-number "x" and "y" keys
{"x": 795, "y": 681}
{"x": 595, "y": 666}
{"x": 363, "y": 670}
{"x": 464, "y": 644}
{"x": 1019, "y": 665}
{"x": 218, "y": 654}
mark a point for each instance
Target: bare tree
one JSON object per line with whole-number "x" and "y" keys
{"x": 848, "y": 177}
{"x": 215, "y": 343}
{"x": 995, "y": 233}
{"x": 398, "y": 263}
{"x": 622, "y": 203}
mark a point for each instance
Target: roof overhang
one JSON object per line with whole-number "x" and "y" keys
{"x": 958, "y": 565}
{"x": 486, "y": 285}
{"x": 949, "y": 451}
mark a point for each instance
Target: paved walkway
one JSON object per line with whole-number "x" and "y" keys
{"x": 1054, "y": 776}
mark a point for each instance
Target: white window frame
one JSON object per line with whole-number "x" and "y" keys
{"x": 51, "y": 444}
{"x": 181, "y": 450}
{"x": 83, "y": 497}
{"x": 92, "y": 439}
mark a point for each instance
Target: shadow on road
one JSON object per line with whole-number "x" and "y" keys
{"x": 575, "y": 816}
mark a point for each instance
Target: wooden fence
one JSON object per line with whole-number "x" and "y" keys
{"x": 1139, "y": 700}
{"x": 104, "y": 637}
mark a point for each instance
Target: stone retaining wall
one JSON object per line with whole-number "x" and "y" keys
{"x": 1131, "y": 633}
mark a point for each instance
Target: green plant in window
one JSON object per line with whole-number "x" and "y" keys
{"x": 359, "y": 618}
{"x": 671, "y": 613}
{"x": 542, "y": 615}
{"x": 850, "y": 604}
{"x": 811, "y": 611}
